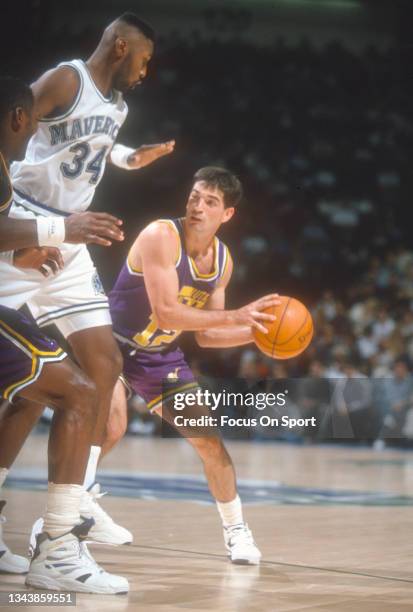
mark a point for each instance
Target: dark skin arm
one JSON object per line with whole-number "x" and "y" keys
{"x": 86, "y": 228}
{"x": 55, "y": 91}
{"x": 17, "y": 234}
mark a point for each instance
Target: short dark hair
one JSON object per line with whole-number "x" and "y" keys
{"x": 138, "y": 23}
{"x": 14, "y": 93}
{"x": 224, "y": 180}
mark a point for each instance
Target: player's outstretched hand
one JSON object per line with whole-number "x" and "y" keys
{"x": 95, "y": 228}
{"x": 252, "y": 314}
{"x": 47, "y": 260}
{"x": 147, "y": 154}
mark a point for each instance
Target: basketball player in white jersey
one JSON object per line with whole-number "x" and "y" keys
{"x": 80, "y": 107}
{"x": 33, "y": 367}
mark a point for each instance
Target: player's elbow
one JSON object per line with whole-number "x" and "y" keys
{"x": 164, "y": 315}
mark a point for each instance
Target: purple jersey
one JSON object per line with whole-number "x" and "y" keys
{"x": 133, "y": 321}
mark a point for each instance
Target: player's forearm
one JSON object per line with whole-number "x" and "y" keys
{"x": 186, "y": 318}
{"x": 17, "y": 234}
{"x": 225, "y": 337}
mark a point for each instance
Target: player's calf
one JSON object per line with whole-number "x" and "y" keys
{"x": 220, "y": 474}
{"x": 118, "y": 418}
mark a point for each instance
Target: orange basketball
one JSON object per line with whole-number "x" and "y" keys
{"x": 291, "y": 332}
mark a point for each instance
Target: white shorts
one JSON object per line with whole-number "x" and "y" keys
{"x": 73, "y": 299}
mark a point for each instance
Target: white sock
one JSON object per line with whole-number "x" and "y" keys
{"x": 3, "y": 475}
{"x": 62, "y": 508}
{"x": 92, "y": 465}
{"x": 230, "y": 512}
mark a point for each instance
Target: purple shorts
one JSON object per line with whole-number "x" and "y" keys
{"x": 23, "y": 351}
{"x": 157, "y": 376}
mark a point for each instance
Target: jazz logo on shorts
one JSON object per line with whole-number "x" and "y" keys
{"x": 173, "y": 375}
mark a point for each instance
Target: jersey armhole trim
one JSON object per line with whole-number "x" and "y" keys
{"x": 132, "y": 269}
{"x": 227, "y": 259}
{"x": 76, "y": 100}
{"x": 178, "y": 255}
{"x": 196, "y": 275}
{"x": 99, "y": 93}
{"x": 9, "y": 197}
{"x": 135, "y": 271}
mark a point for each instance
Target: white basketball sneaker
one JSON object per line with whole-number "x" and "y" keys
{"x": 9, "y": 562}
{"x": 105, "y": 530}
{"x": 240, "y": 545}
{"x": 63, "y": 563}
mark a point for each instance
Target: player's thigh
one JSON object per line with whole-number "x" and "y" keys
{"x": 61, "y": 384}
{"x": 74, "y": 298}
{"x": 97, "y": 352}
{"x": 156, "y": 377}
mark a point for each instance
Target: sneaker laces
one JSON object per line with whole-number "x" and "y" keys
{"x": 240, "y": 533}
{"x": 80, "y": 552}
{"x": 87, "y": 558}
{"x": 98, "y": 511}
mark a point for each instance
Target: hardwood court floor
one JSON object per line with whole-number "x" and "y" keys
{"x": 335, "y": 533}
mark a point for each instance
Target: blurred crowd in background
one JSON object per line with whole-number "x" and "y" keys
{"x": 322, "y": 139}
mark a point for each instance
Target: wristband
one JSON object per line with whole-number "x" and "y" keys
{"x": 50, "y": 231}
{"x": 119, "y": 156}
{"x": 7, "y": 256}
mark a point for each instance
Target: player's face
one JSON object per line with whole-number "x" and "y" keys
{"x": 205, "y": 209}
{"x": 135, "y": 65}
{"x": 24, "y": 125}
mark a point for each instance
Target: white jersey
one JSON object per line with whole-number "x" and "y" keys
{"x": 66, "y": 157}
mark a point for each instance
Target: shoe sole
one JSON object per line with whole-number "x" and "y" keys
{"x": 41, "y": 582}
{"x": 107, "y": 543}
{"x": 245, "y": 561}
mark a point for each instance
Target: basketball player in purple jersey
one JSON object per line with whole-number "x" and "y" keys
{"x": 81, "y": 108}
{"x": 33, "y": 367}
{"x": 174, "y": 280}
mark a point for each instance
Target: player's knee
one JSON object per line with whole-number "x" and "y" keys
{"x": 107, "y": 368}
{"x": 81, "y": 397}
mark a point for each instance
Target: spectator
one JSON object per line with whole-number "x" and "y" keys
{"x": 398, "y": 392}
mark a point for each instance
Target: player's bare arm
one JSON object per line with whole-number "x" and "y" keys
{"x": 155, "y": 250}
{"x": 55, "y": 91}
{"x": 223, "y": 337}
{"x": 86, "y": 228}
